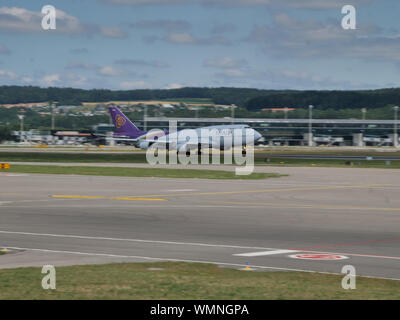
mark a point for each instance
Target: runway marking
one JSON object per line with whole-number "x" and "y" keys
{"x": 303, "y": 205}
{"x": 151, "y": 197}
{"x": 193, "y": 244}
{"x": 192, "y": 261}
{"x": 134, "y": 240}
{"x": 180, "y": 190}
{"x": 107, "y": 198}
{"x": 355, "y": 254}
{"x": 322, "y": 257}
{"x": 349, "y": 244}
{"x": 136, "y": 199}
{"x": 125, "y": 207}
{"x": 269, "y": 190}
{"x": 264, "y": 253}
{"x": 77, "y": 197}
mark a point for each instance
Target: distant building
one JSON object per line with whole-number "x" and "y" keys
{"x": 26, "y": 105}
{"x": 168, "y": 106}
{"x": 278, "y": 109}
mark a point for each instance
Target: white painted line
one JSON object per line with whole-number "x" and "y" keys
{"x": 190, "y": 261}
{"x": 122, "y": 206}
{"x": 180, "y": 190}
{"x": 264, "y": 253}
{"x": 134, "y": 240}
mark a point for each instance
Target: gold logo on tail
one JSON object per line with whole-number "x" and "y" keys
{"x": 119, "y": 121}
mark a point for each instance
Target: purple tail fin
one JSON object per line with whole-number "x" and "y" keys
{"x": 123, "y": 126}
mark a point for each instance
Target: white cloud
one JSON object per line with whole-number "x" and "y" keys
{"x": 27, "y": 80}
{"x": 224, "y": 62}
{"x": 82, "y": 66}
{"x": 113, "y": 32}
{"x": 7, "y": 75}
{"x": 231, "y": 73}
{"x": 163, "y": 24}
{"x": 173, "y": 86}
{"x": 288, "y": 37}
{"x": 130, "y": 85}
{"x": 59, "y": 80}
{"x": 285, "y": 79}
{"x": 299, "y": 4}
{"x": 181, "y": 38}
{"x": 50, "y": 80}
{"x": 189, "y": 39}
{"x": 228, "y": 68}
{"x": 21, "y": 20}
{"x": 24, "y": 20}
{"x": 142, "y": 63}
{"x": 109, "y": 71}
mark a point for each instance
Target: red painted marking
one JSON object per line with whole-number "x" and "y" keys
{"x": 358, "y": 254}
{"x": 318, "y": 256}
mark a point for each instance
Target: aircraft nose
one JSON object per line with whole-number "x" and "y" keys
{"x": 257, "y": 135}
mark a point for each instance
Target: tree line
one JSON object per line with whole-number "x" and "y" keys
{"x": 252, "y": 99}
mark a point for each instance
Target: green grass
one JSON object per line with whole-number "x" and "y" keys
{"x": 328, "y": 163}
{"x": 44, "y": 156}
{"x": 185, "y": 281}
{"x": 137, "y": 172}
{"x": 328, "y": 151}
{"x": 140, "y": 157}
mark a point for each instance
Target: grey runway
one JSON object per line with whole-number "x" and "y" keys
{"x": 346, "y": 213}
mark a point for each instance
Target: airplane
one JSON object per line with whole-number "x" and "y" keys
{"x": 222, "y": 137}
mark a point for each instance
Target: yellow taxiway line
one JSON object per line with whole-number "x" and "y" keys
{"x": 157, "y": 197}
{"x": 266, "y": 190}
{"x": 107, "y": 198}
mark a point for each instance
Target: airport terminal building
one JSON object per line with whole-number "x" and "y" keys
{"x": 343, "y": 132}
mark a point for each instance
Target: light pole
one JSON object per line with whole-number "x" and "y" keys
{"x": 21, "y": 118}
{"x": 364, "y": 111}
{"x": 52, "y": 117}
{"x": 395, "y": 135}
{"x": 310, "y": 139}
{"x": 145, "y": 118}
{"x": 233, "y": 113}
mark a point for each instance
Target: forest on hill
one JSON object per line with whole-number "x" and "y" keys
{"x": 252, "y": 99}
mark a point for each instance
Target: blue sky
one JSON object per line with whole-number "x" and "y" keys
{"x": 268, "y": 44}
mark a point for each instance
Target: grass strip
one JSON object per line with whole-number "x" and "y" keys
{"x": 137, "y": 172}
{"x": 186, "y": 281}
